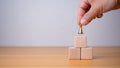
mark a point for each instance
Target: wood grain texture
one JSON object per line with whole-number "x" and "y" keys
{"x": 74, "y": 53}
{"x": 80, "y": 41}
{"x": 57, "y": 57}
{"x": 86, "y": 53}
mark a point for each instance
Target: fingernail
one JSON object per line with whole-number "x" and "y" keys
{"x": 83, "y": 22}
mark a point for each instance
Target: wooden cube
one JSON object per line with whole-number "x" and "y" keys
{"x": 74, "y": 53}
{"x": 86, "y": 53}
{"x": 80, "y": 41}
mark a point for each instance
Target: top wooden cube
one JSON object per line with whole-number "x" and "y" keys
{"x": 80, "y": 41}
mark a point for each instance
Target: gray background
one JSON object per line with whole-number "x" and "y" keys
{"x": 53, "y": 23}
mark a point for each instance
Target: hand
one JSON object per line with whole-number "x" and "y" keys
{"x": 90, "y": 9}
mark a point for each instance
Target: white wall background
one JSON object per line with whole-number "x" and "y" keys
{"x": 52, "y": 23}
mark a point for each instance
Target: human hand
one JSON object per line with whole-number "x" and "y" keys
{"x": 90, "y": 9}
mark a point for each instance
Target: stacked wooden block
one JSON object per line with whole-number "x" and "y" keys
{"x": 80, "y": 49}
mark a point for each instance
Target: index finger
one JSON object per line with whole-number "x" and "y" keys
{"x": 83, "y": 8}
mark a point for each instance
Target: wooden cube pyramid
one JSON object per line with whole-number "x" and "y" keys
{"x": 80, "y": 49}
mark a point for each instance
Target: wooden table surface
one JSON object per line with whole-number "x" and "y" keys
{"x": 56, "y": 57}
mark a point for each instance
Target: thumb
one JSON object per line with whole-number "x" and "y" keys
{"x": 90, "y": 15}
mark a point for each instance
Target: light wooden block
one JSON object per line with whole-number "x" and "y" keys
{"x": 87, "y": 53}
{"x": 74, "y": 53}
{"x": 80, "y": 41}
